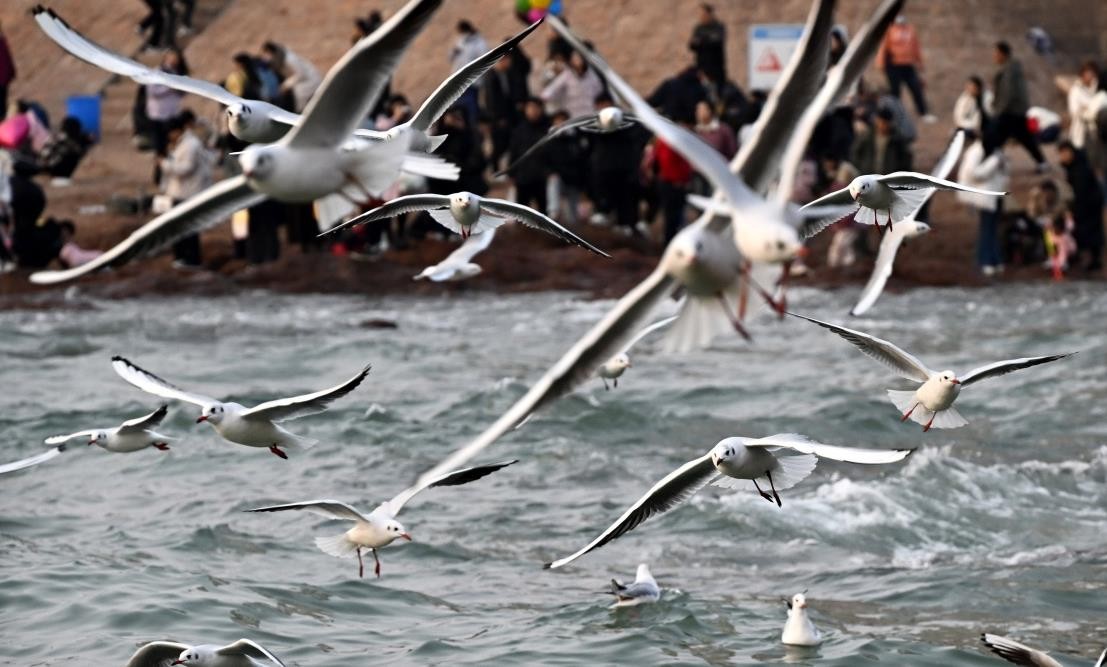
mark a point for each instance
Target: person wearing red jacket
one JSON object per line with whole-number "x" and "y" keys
{"x": 674, "y": 176}
{"x": 901, "y": 57}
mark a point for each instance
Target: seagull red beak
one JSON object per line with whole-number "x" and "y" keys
{"x": 406, "y": 536}
{"x": 92, "y": 442}
{"x": 177, "y": 662}
{"x": 955, "y": 381}
{"x": 201, "y": 418}
{"x": 802, "y": 252}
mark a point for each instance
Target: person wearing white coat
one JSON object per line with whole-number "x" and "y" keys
{"x": 984, "y": 166}
{"x": 973, "y": 106}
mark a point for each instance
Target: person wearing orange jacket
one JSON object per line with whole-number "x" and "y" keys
{"x": 901, "y": 57}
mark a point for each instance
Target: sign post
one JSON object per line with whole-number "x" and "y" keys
{"x": 770, "y": 48}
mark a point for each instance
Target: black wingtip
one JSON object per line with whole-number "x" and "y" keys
{"x": 547, "y": 566}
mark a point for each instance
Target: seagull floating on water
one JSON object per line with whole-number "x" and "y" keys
{"x": 779, "y": 462}
{"x": 253, "y": 427}
{"x": 1021, "y": 654}
{"x": 379, "y": 528}
{"x": 242, "y": 653}
{"x": 932, "y": 403}
{"x": 643, "y": 590}
{"x": 798, "y": 629}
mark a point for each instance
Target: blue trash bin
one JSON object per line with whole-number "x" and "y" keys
{"x": 86, "y": 109}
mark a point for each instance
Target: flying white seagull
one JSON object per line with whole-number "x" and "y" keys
{"x": 699, "y": 259}
{"x": 459, "y": 265}
{"x": 314, "y": 159}
{"x": 898, "y": 195}
{"x": 903, "y": 230}
{"x": 253, "y": 121}
{"x": 778, "y": 461}
{"x": 614, "y": 367}
{"x": 466, "y": 213}
{"x": 605, "y": 121}
{"x": 130, "y": 436}
{"x": 798, "y": 629}
{"x": 379, "y": 528}
{"x": 643, "y": 590}
{"x": 1021, "y": 654}
{"x": 242, "y": 653}
{"x": 259, "y": 122}
{"x": 932, "y": 403}
{"x": 253, "y": 427}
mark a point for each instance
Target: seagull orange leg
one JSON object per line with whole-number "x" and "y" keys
{"x": 927, "y": 427}
{"x": 907, "y": 414}
{"x": 277, "y": 450}
{"x": 162, "y": 446}
{"x": 737, "y": 325}
{"x": 378, "y": 567}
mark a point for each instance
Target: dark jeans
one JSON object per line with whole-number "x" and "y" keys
{"x": 1013, "y": 125}
{"x": 614, "y": 191}
{"x": 987, "y": 243}
{"x": 898, "y": 75}
{"x": 672, "y": 204}
{"x": 262, "y": 242}
{"x": 532, "y": 194}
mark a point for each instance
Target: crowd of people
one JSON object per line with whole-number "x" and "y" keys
{"x": 626, "y": 178}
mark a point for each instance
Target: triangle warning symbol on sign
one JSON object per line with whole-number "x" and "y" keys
{"x": 768, "y": 62}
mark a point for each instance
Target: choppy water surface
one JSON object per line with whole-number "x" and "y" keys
{"x": 999, "y": 526}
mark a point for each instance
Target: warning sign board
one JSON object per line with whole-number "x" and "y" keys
{"x": 770, "y": 48}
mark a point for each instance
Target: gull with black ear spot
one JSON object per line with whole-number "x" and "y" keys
{"x": 379, "y": 528}
{"x": 242, "y": 653}
{"x": 1021, "y": 654}
{"x": 932, "y": 403}
{"x": 799, "y": 630}
{"x": 253, "y": 427}
{"x": 614, "y": 367}
{"x": 778, "y": 461}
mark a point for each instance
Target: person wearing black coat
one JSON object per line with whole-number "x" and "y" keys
{"x": 1087, "y": 205}
{"x": 530, "y": 175}
{"x": 709, "y": 44}
{"x": 503, "y": 95}
{"x": 678, "y": 96}
{"x": 614, "y": 158}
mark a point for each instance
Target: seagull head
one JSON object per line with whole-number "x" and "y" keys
{"x": 395, "y": 530}
{"x": 620, "y": 361}
{"x": 687, "y": 248}
{"x": 779, "y": 244}
{"x": 256, "y": 162}
{"x": 726, "y": 450}
{"x": 463, "y": 200}
{"x": 194, "y": 657}
{"x": 610, "y": 118}
{"x": 212, "y": 414}
{"x": 948, "y": 378}
{"x": 238, "y": 118}
{"x": 798, "y": 601}
{"x": 861, "y": 186}
{"x": 917, "y": 229}
{"x": 99, "y": 436}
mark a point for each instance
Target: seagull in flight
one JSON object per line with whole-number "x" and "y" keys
{"x": 316, "y": 158}
{"x": 1021, "y": 654}
{"x": 932, "y": 403}
{"x": 253, "y": 427}
{"x": 242, "y": 653}
{"x": 130, "y": 436}
{"x": 614, "y": 367}
{"x": 903, "y": 230}
{"x": 459, "y": 265}
{"x": 466, "y": 213}
{"x": 605, "y": 121}
{"x": 259, "y": 122}
{"x": 379, "y": 528}
{"x": 898, "y": 195}
{"x": 778, "y": 462}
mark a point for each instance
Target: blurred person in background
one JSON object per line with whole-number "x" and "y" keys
{"x": 469, "y": 46}
{"x": 972, "y": 110}
{"x": 574, "y": 89}
{"x": 503, "y": 95}
{"x": 7, "y": 72}
{"x": 901, "y": 57}
{"x": 983, "y": 165}
{"x": 186, "y": 170}
{"x": 299, "y": 78}
{"x": 163, "y": 103}
{"x": 529, "y": 177}
{"x": 879, "y": 148}
{"x": 708, "y": 42}
{"x": 1011, "y": 102}
{"x": 565, "y": 159}
{"x": 613, "y": 161}
{"x": 1087, "y": 205}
